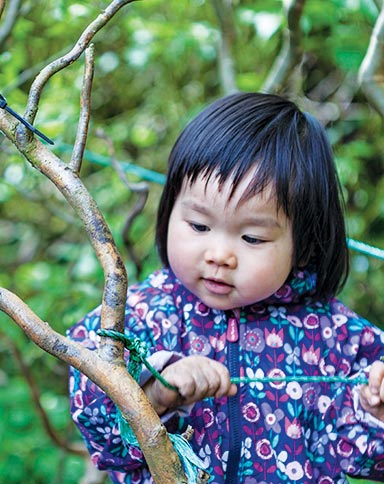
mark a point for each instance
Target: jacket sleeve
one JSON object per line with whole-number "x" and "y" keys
{"x": 344, "y": 430}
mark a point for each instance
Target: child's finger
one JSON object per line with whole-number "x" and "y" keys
{"x": 376, "y": 383}
{"x": 372, "y": 395}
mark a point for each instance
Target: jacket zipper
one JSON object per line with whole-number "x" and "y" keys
{"x": 231, "y": 476}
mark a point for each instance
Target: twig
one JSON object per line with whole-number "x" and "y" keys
{"x": 290, "y": 52}
{"x": 10, "y": 18}
{"x": 85, "y": 110}
{"x": 371, "y": 76}
{"x": 224, "y": 14}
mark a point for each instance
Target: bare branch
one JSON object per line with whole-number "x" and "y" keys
{"x": 290, "y": 53}
{"x": 10, "y": 18}
{"x": 85, "y": 111}
{"x": 113, "y": 378}
{"x": 106, "y": 366}
{"x": 371, "y": 76}
{"x": 57, "y": 65}
{"x": 227, "y": 72}
{"x": 70, "y": 185}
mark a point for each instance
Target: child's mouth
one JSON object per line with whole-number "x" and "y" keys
{"x": 217, "y": 286}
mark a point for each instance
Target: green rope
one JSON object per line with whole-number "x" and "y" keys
{"x": 302, "y": 378}
{"x": 137, "y": 356}
{"x": 138, "y": 352}
{"x": 365, "y": 248}
{"x": 139, "y": 171}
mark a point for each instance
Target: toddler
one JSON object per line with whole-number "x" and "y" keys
{"x": 251, "y": 235}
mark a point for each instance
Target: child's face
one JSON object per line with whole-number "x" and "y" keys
{"x": 229, "y": 253}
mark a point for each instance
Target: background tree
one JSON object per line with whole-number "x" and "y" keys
{"x": 144, "y": 91}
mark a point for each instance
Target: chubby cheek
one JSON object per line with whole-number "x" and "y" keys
{"x": 267, "y": 276}
{"x": 179, "y": 262}
{"x": 175, "y": 262}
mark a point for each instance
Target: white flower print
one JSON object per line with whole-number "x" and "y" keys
{"x": 294, "y": 390}
{"x": 292, "y": 354}
{"x": 294, "y": 470}
{"x": 323, "y": 403}
{"x": 339, "y": 319}
{"x": 246, "y": 445}
{"x": 259, "y": 373}
{"x": 158, "y": 279}
{"x": 264, "y": 449}
{"x": 205, "y": 454}
{"x": 251, "y": 412}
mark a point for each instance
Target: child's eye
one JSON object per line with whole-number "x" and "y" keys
{"x": 252, "y": 240}
{"x": 199, "y": 227}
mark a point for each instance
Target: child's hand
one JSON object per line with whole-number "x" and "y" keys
{"x": 372, "y": 395}
{"x": 196, "y": 377}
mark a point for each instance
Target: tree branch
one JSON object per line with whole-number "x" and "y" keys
{"x": 10, "y": 18}
{"x": 114, "y": 379}
{"x": 106, "y": 366}
{"x": 371, "y": 77}
{"x": 227, "y": 72}
{"x": 85, "y": 111}
{"x": 290, "y": 52}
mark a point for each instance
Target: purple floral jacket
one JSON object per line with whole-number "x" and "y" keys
{"x": 302, "y": 432}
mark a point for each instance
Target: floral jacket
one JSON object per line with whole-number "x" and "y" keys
{"x": 276, "y": 432}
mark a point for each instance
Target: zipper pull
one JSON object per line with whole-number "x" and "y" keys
{"x": 232, "y": 330}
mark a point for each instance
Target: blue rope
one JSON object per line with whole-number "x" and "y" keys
{"x": 143, "y": 173}
{"x": 365, "y": 248}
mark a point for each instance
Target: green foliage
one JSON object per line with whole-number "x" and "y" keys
{"x": 156, "y": 67}
{"x": 26, "y": 450}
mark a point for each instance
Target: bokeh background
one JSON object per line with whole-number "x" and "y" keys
{"x": 157, "y": 64}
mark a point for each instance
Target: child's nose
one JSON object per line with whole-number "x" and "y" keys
{"x": 221, "y": 254}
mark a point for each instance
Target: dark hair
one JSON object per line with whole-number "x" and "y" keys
{"x": 285, "y": 147}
